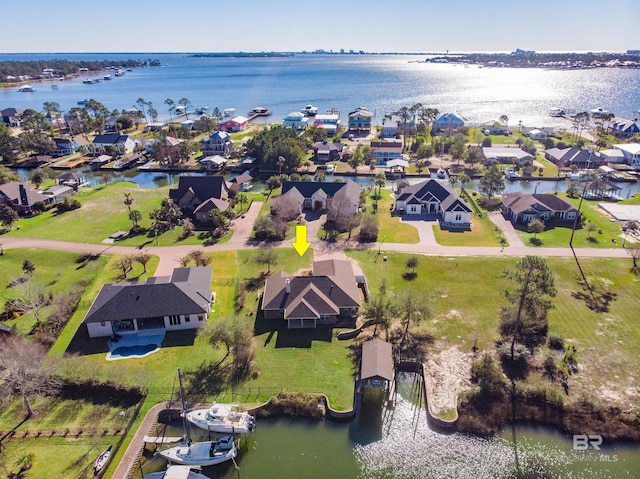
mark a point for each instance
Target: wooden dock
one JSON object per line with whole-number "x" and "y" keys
{"x": 161, "y": 439}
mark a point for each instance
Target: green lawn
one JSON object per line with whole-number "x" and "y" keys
{"x": 102, "y": 214}
{"x": 483, "y": 233}
{"x": 391, "y": 229}
{"x": 559, "y": 236}
{"x": 55, "y": 271}
{"x": 469, "y": 296}
{"x": 57, "y": 456}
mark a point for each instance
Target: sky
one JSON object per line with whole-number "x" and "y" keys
{"x": 307, "y": 25}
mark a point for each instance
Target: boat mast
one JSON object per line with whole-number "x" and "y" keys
{"x": 185, "y": 422}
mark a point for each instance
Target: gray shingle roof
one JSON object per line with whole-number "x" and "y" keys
{"x": 202, "y": 187}
{"x": 377, "y": 360}
{"x": 187, "y": 291}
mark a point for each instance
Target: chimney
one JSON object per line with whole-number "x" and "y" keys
{"x": 287, "y": 286}
{"x": 23, "y": 195}
{"x": 330, "y": 290}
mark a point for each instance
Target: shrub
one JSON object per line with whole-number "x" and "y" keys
{"x": 68, "y": 204}
{"x": 369, "y": 230}
{"x": 518, "y": 367}
{"x": 487, "y": 375}
{"x": 550, "y": 367}
{"x": 556, "y": 342}
{"x": 486, "y": 142}
{"x": 270, "y": 229}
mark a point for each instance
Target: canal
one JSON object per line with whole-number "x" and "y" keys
{"x": 399, "y": 444}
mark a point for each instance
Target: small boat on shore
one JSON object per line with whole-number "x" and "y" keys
{"x": 177, "y": 472}
{"x": 222, "y": 418}
{"x": 101, "y": 460}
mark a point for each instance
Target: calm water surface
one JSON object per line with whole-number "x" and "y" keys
{"x": 400, "y": 445}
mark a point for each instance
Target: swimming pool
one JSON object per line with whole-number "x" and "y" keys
{"x": 135, "y": 351}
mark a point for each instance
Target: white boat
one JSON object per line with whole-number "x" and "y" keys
{"x": 201, "y": 109}
{"x": 511, "y": 174}
{"x": 556, "y": 112}
{"x": 179, "y": 110}
{"x": 27, "y": 89}
{"x": 309, "y": 110}
{"x": 222, "y": 418}
{"x": 330, "y": 169}
{"x": 106, "y": 77}
{"x": 598, "y": 112}
{"x": 229, "y": 111}
{"x": 259, "y": 111}
{"x": 101, "y": 460}
{"x": 177, "y": 472}
{"x": 442, "y": 173}
{"x": 205, "y": 453}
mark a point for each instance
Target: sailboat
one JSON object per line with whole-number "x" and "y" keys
{"x": 177, "y": 472}
{"x": 205, "y": 453}
{"x": 101, "y": 460}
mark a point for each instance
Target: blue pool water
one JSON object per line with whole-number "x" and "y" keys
{"x": 137, "y": 351}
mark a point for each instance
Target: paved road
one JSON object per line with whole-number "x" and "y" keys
{"x": 170, "y": 255}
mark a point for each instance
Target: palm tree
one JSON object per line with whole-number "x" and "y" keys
{"x": 463, "y": 178}
{"x": 142, "y": 103}
{"x": 186, "y": 104}
{"x": 171, "y": 104}
{"x": 281, "y": 162}
{"x": 404, "y": 113}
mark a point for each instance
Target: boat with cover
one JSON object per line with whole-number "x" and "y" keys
{"x": 101, "y": 460}
{"x": 177, "y": 472}
{"x": 309, "y": 110}
{"x": 205, "y": 453}
{"x": 222, "y": 418}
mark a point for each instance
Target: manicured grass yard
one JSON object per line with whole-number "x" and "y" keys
{"x": 469, "y": 297}
{"x": 601, "y": 237}
{"x": 483, "y": 233}
{"x": 102, "y": 214}
{"x": 391, "y": 228}
{"x": 57, "y": 456}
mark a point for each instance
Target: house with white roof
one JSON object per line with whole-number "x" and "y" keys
{"x": 631, "y": 152}
{"x": 237, "y": 123}
{"x": 506, "y": 155}
{"x": 114, "y": 142}
{"x": 329, "y": 122}
{"x": 295, "y": 120}
{"x": 537, "y": 134}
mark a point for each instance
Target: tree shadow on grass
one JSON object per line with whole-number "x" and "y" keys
{"x": 535, "y": 241}
{"x": 208, "y": 379}
{"x": 409, "y": 275}
{"x": 598, "y": 302}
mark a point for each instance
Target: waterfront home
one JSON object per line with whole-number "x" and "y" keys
{"x": 114, "y": 143}
{"x": 448, "y": 123}
{"x": 295, "y": 120}
{"x": 68, "y": 146}
{"x": 241, "y": 182}
{"x": 322, "y": 195}
{"x": 324, "y": 151}
{"x": 11, "y": 116}
{"x": 330, "y": 122}
{"x": 521, "y": 208}
{"x": 237, "y": 123}
{"x": 383, "y": 151}
{"x": 199, "y": 195}
{"x": 21, "y": 197}
{"x": 572, "y": 156}
{"x": 622, "y": 128}
{"x": 168, "y": 143}
{"x": 58, "y": 192}
{"x": 505, "y": 155}
{"x": 74, "y": 180}
{"x": 432, "y": 197}
{"x": 168, "y": 303}
{"x": 213, "y": 163}
{"x": 631, "y": 153}
{"x": 360, "y": 121}
{"x": 394, "y": 125}
{"x": 494, "y": 127}
{"x": 218, "y": 143}
{"x": 328, "y": 296}
{"x": 538, "y": 135}
{"x": 612, "y": 156}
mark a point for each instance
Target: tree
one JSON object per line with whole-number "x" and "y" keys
{"x": 412, "y": 309}
{"x": 535, "y": 226}
{"x": 534, "y": 286}
{"x": 38, "y": 177}
{"x": 200, "y": 258}
{"x": 143, "y": 259}
{"x": 124, "y": 265}
{"x": 142, "y": 103}
{"x": 412, "y": 263}
{"x": 186, "y": 104}
{"x": 356, "y": 159}
{"x": 504, "y": 119}
{"x": 8, "y": 145}
{"x": 464, "y": 179}
{"x": 380, "y": 180}
{"x": 8, "y": 216}
{"x": 135, "y": 216}
{"x": 458, "y": 148}
{"x": 166, "y": 217}
{"x": 591, "y": 227}
{"x": 237, "y": 339}
{"x": 26, "y": 371}
{"x": 30, "y": 295}
{"x": 28, "y": 267}
{"x": 492, "y": 182}
{"x": 274, "y": 182}
{"x": 242, "y": 199}
{"x": 633, "y": 250}
{"x": 171, "y": 104}
{"x": 380, "y": 310}
{"x": 36, "y": 132}
{"x": 267, "y": 256}
{"x": 425, "y": 151}
{"x": 128, "y": 201}
{"x": 573, "y": 191}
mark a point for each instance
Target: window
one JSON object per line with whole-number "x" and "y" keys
{"x": 324, "y": 317}
{"x": 458, "y": 217}
{"x": 187, "y": 318}
{"x": 174, "y": 320}
{"x": 201, "y": 317}
{"x": 103, "y": 323}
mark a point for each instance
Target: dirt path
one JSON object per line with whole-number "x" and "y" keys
{"x": 446, "y": 375}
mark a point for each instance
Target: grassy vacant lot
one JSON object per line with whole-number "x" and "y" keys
{"x": 468, "y": 294}
{"x": 390, "y": 226}
{"x": 102, "y": 214}
{"x": 605, "y": 230}
{"x": 57, "y": 456}
{"x": 283, "y": 358}
{"x": 56, "y": 271}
